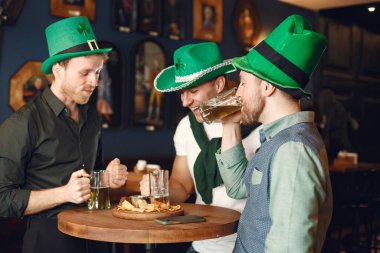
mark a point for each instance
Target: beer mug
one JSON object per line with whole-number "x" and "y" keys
{"x": 222, "y": 105}
{"x": 99, "y": 195}
{"x": 159, "y": 186}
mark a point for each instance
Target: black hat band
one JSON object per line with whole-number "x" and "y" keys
{"x": 282, "y": 63}
{"x": 90, "y": 45}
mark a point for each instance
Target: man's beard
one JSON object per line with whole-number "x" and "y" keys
{"x": 251, "y": 111}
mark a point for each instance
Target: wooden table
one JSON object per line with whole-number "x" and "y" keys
{"x": 102, "y": 226}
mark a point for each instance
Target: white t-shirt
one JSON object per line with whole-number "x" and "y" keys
{"x": 186, "y": 145}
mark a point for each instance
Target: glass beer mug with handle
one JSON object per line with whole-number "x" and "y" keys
{"x": 222, "y": 105}
{"x": 99, "y": 195}
{"x": 159, "y": 186}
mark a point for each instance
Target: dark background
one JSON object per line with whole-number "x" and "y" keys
{"x": 25, "y": 40}
{"x": 350, "y": 67}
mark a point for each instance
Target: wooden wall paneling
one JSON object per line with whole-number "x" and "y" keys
{"x": 350, "y": 68}
{"x": 369, "y": 130}
{"x": 339, "y": 50}
{"x": 337, "y": 83}
{"x": 370, "y": 90}
{"x": 370, "y": 52}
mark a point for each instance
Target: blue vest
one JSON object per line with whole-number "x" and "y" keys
{"x": 255, "y": 222}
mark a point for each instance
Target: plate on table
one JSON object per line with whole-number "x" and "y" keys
{"x": 141, "y": 210}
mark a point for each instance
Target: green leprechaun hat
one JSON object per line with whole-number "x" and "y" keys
{"x": 287, "y": 57}
{"x": 193, "y": 64}
{"x": 68, "y": 38}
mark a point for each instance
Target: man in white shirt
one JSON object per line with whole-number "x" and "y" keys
{"x": 199, "y": 73}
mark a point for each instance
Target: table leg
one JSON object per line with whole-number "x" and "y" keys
{"x": 150, "y": 248}
{"x": 116, "y": 247}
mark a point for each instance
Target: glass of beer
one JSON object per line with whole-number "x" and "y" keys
{"x": 217, "y": 108}
{"x": 159, "y": 186}
{"x": 99, "y": 195}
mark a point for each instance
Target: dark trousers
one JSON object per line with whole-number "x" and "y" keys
{"x": 43, "y": 236}
{"x": 191, "y": 250}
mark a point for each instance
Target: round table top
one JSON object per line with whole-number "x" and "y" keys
{"x": 101, "y": 225}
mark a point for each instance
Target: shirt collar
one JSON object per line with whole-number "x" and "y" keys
{"x": 57, "y": 106}
{"x": 270, "y": 130}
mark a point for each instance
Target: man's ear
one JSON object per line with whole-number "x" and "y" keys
{"x": 57, "y": 70}
{"x": 268, "y": 89}
{"x": 220, "y": 83}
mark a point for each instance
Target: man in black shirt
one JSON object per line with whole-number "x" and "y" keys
{"x": 49, "y": 147}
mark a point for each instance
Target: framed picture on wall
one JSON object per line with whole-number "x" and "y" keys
{"x": 174, "y": 19}
{"x": 108, "y": 96}
{"x": 10, "y": 11}
{"x": 69, "y": 8}
{"x": 247, "y": 24}
{"x": 124, "y": 14}
{"x": 149, "y": 17}
{"x": 208, "y": 20}
{"x": 149, "y": 60}
{"x": 27, "y": 83}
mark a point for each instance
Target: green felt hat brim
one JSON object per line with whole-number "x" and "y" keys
{"x": 260, "y": 64}
{"x": 49, "y": 62}
{"x": 165, "y": 81}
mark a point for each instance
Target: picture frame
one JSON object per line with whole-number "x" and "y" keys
{"x": 174, "y": 19}
{"x": 149, "y": 17}
{"x": 70, "y": 8}
{"x": 247, "y": 24}
{"x": 124, "y": 15}
{"x": 27, "y": 83}
{"x": 108, "y": 97}
{"x": 10, "y": 11}
{"x": 208, "y": 20}
{"x": 149, "y": 104}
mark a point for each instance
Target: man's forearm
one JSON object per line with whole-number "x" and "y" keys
{"x": 178, "y": 193}
{"x": 231, "y": 136}
{"x": 232, "y": 165}
{"x": 45, "y": 199}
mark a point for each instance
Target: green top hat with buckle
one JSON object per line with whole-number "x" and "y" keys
{"x": 287, "y": 57}
{"x": 193, "y": 65}
{"x": 68, "y": 38}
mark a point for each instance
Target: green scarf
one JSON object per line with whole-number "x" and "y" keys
{"x": 206, "y": 172}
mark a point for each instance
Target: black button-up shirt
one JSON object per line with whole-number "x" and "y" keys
{"x": 40, "y": 147}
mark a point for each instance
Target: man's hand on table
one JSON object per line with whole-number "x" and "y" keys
{"x": 118, "y": 173}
